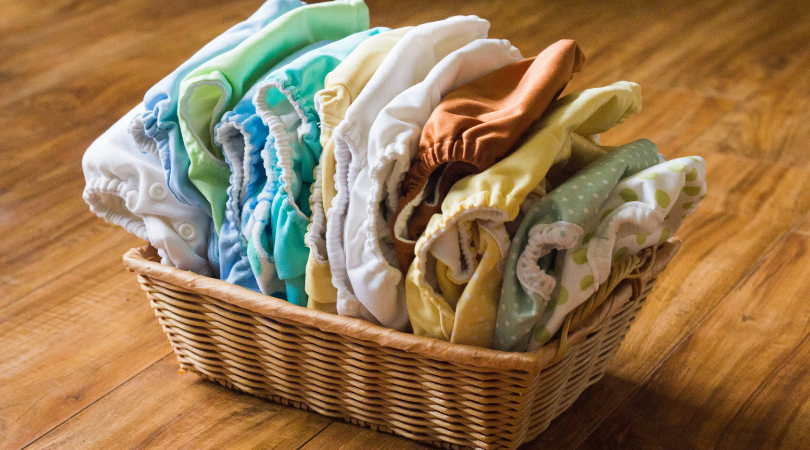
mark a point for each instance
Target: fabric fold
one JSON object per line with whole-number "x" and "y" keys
{"x": 497, "y": 193}
{"x": 474, "y": 127}
{"x": 127, "y": 188}
{"x": 215, "y": 87}
{"x": 370, "y": 257}
{"x": 341, "y": 88}
{"x": 406, "y": 64}
{"x": 285, "y": 102}
{"x": 530, "y": 284}
{"x": 156, "y": 131}
{"x": 643, "y": 210}
{"x": 243, "y": 136}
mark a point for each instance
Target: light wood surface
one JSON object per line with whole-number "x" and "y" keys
{"x": 717, "y": 359}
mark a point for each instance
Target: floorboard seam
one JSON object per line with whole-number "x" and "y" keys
{"x": 96, "y": 400}
{"x": 331, "y": 421}
{"x": 760, "y": 387}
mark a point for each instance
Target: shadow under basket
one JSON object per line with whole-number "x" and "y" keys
{"x": 449, "y": 395}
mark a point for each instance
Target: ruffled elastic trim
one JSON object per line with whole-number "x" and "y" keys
{"x": 315, "y": 238}
{"x": 284, "y": 150}
{"x": 234, "y": 140}
{"x": 144, "y": 143}
{"x": 468, "y": 213}
{"x": 628, "y": 219}
{"x": 107, "y": 199}
{"x": 400, "y": 228}
{"x": 350, "y": 137}
{"x": 393, "y": 166}
{"x": 236, "y": 133}
{"x": 492, "y": 206}
{"x": 336, "y": 214}
{"x": 488, "y": 217}
{"x": 429, "y": 160}
{"x": 331, "y": 104}
{"x": 481, "y": 206}
{"x": 386, "y": 172}
{"x": 542, "y": 239}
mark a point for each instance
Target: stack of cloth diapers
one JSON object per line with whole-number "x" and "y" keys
{"x": 428, "y": 179}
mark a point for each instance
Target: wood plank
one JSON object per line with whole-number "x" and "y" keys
{"x": 159, "y": 409}
{"x": 90, "y": 240}
{"x": 70, "y": 342}
{"x": 777, "y": 414}
{"x": 732, "y": 358}
{"x": 344, "y": 436}
{"x": 758, "y": 40}
{"x": 803, "y": 225}
{"x": 52, "y": 234}
{"x": 696, "y": 114}
{"x": 85, "y": 38}
{"x": 772, "y": 126}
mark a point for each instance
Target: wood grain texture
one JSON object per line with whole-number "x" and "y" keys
{"x": 185, "y": 413}
{"x": 71, "y": 341}
{"x": 712, "y": 391}
{"x": 344, "y": 436}
{"x": 717, "y": 359}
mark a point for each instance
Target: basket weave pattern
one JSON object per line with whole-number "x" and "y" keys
{"x": 449, "y": 395}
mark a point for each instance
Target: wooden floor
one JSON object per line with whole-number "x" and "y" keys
{"x": 719, "y": 358}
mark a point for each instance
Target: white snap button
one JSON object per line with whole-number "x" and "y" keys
{"x": 157, "y": 192}
{"x": 187, "y": 231}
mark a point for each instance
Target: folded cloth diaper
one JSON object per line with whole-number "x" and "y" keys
{"x": 341, "y": 88}
{"x": 474, "y": 127}
{"x": 216, "y": 86}
{"x": 242, "y": 136}
{"x": 393, "y": 142}
{"x": 127, "y": 188}
{"x": 641, "y": 211}
{"x": 566, "y": 216}
{"x": 408, "y": 62}
{"x": 156, "y": 131}
{"x": 462, "y": 252}
{"x": 285, "y": 103}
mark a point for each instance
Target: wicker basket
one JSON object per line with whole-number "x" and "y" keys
{"x": 450, "y": 395}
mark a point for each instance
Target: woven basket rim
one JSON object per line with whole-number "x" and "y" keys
{"x": 142, "y": 260}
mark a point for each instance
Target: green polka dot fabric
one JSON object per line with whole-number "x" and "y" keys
{"x": 662, "y": 196}
{"x": 564, "y": 219}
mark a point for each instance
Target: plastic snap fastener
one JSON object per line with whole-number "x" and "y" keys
{"x": 157, "y": 192}
{"x": 187, "y": 231}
